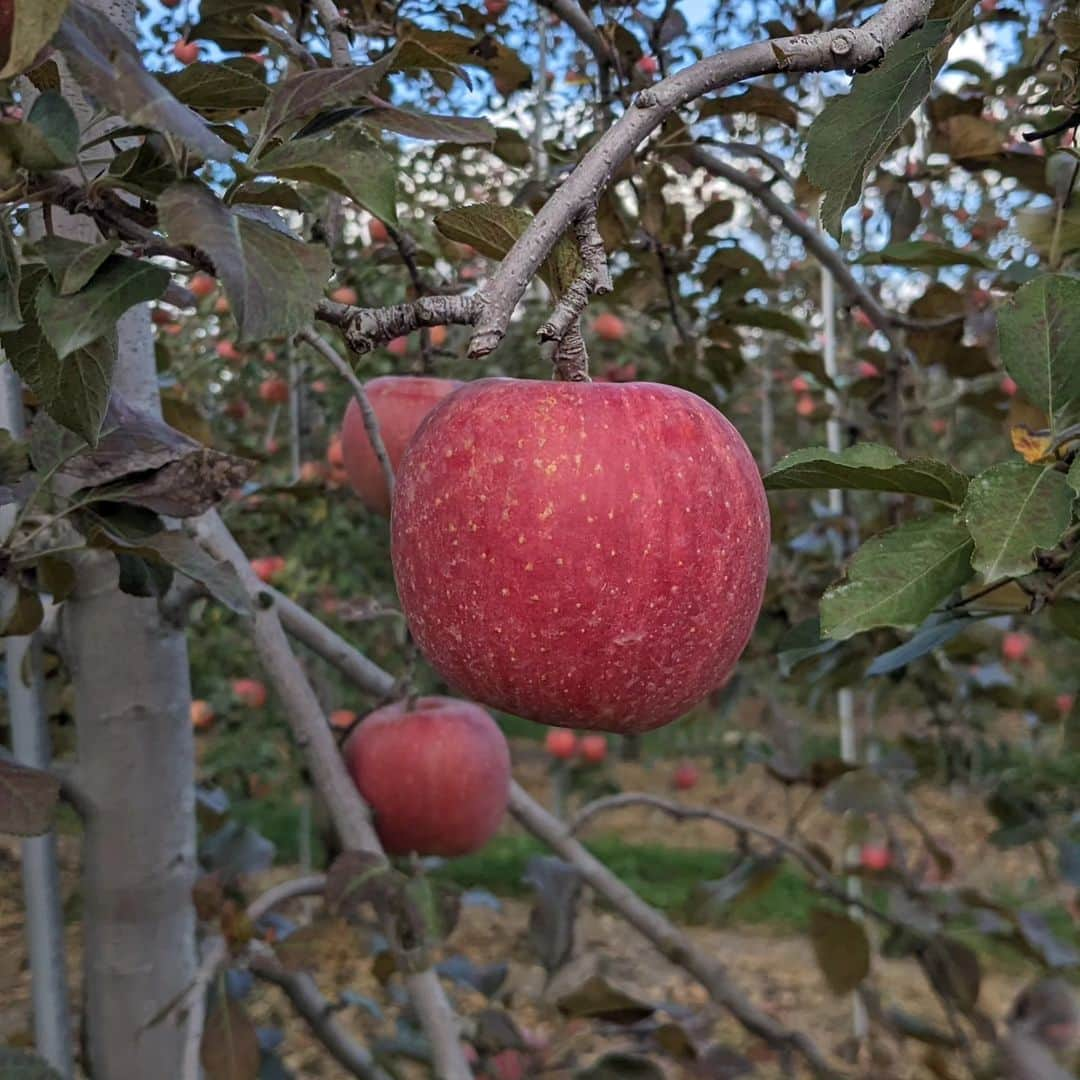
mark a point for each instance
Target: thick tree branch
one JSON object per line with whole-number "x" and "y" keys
{"x": 365, "y": 329}
{"x": 349, "y": 812}
{"x": 340, "y": 53}
{"x": 367, "y": 413}
{"x": 678, "y": 948}
{"x": 284, "y": 41}
{"x": 845, "y": 48}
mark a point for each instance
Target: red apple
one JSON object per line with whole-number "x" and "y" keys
{"x": 161, "y": 317}
{"x": 800, "y": 385}
{"x": 311, "y": 472}
{"x": 591, "y": 555}
{"x": 228, "y": 351}
{"x": 249, "y": 692}
{"x": 342, "y": 719}
{"x": 268, "y": 568}
{"x": 345, "y": 294}
{"x": 221, "y": 306}
{"x": 170, "y": 3}
{"x": 1065, "y": 703}
{"x": 274, "y": 391}
{"x": 685, "y": 777}
{"x": 648, "y": 65}
{"x": 496, "y": 7}
{"x": 172, "y": 329}
{"x": 561, "y": 744}
{"x": 202, "y": 285}
{"x": 377, "y": 231}
{"x": 609, "y": 327}
{"x": 862, "y": 319}
{"x": 202, "y": 715}
{"x": 865, "y": 370}
{"x": 437, "y": 336}
{"x": 874, "y": 857}
{"x": 939, "y": 425}
{"x": 400, "y": 402}
{"x": 1015, "y": 646}
{"x": 436, "y": 775}
{"x": 593, "y": 749}
{"x": 1008, "y": 386}
{"x": 805, "y": 405}
{"x": 187, "y": 52}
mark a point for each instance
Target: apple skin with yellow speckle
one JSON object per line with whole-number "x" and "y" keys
{"x": 589, "y": 555}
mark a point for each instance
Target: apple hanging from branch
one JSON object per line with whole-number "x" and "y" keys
{"x": 589, "y": 555}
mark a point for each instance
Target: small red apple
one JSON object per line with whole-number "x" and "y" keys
{"x": 874, "y": 857}
{"x": 269, "y": 357}
{"x": 862, "y": 319}
{"x": 437, "y": 336}
{"x": 400, "y": 403}
{"x": 436, "y": 775}
{"x": 378, "y": 231}
{"x": 249, "y": 692}
{"x": 865, "y": 370}
{"x": 311, "y": 472}
{"x": 685, "y": 777}
{"x": 172, "y": 329}
{"x": 268, "y": 568}
{"x": 939, "y": 425}
{"x": 221, "y": 306}
{"x": 805, "y": 405}
{"x": 560, "y": 743}
{"x": 496, "y": 7}
{"x": 228, "y": 351}
{"x": 344, "y": 294}
{"x": 800, "y": 385}
{"x": 161, "y": 317}
{"x": 1015, "y": 646}
{"x": 187, "y": 52}
{"x": 593, "y": 749}
{"x": 202, "y": 285}
{"x": 274, "y": 391}
{"x": 648, "y": 65}
{"x": 1065, "y": 703}
{"x": 531, "y": 516}
{"x": 609, "y": 327}
{"x": 1008, "y": 386}
{"x": 170, "y": 3}
{"x": 342, "y": 719}
{"x": 202, "y": 715}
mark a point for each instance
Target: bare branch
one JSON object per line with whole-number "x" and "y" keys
{"x": 284, "y": 41}
{"x": 586, "y": 31}
{"x": 367, "y": 413}
{"x": 680, "y": 812}
{"x": 845, "y": 48}
{"x": 340, "y": 53}
{"x": 365, "y": 329}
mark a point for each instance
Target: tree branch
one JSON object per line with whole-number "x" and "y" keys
{"x": 367, "y": 413}
{"x": 350, "y": 814}
{"x": 678, "y": 948}
{"x": 365, "y": 329}
{"x": 284, "y": 41}
{"x": 340, "y": 53}
{"x": 845, "y": 48}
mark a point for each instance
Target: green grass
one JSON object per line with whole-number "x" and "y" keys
{"x": 663, "y": 876}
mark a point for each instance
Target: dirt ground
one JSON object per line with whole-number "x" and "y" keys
{"x": 778, "y": 971}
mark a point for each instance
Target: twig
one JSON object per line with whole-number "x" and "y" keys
{"x": 365, "y": 329}
{"x": 318, "y": 1014}
{"x": 681, "y": 812}
{"x": 845, "y": 48}
{"x": 284, "y": 41}
{"x": 350, "y": 814}
{"x": 367, "y": 413}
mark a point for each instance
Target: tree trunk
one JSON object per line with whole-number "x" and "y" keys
{"x": 129, "y": 670}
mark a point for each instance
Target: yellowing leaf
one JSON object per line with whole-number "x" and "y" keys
{"x": 1033, "y": 446}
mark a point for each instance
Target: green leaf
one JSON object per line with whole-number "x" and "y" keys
{"x": 54, "y": 120}
{"x": 273, "y": 281}
{"x": 898, "y": 577}
{"x": 493, "y": 231}
{"x": 345, "y": 160}
{"x": 217, "y": 91}
{"x": 1065, "y": 615}
{"x": 461, "y": 130}
{"x": 1073, "y": 475}
{"x": 72, "y": 263}
{"x": 924, "y": 253}
{"x": 10, "y": 276}
{"x": 32, "y": 23}
{"x": 75, "y": 320}
{"x": 852, "y": 132}
{"x": 1039, "y": 336}
{"x": 27, "y": 801}
{"x": 867, "y": 467}
{"x": 841, "y": 947}
{"x": 73, "y": 391}
{"x": 1012, "y": 509}
{"x": 107, "y": 64}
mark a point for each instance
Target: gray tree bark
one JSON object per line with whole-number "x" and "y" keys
{"x": 129, "y": 670}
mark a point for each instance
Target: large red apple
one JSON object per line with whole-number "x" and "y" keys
{"x": 400, "y": 402}
{"x": 436, "y": 775}
{"x": 591, "y": 555}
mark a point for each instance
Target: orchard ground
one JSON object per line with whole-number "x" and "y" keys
{"x": 761, "y": 937}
